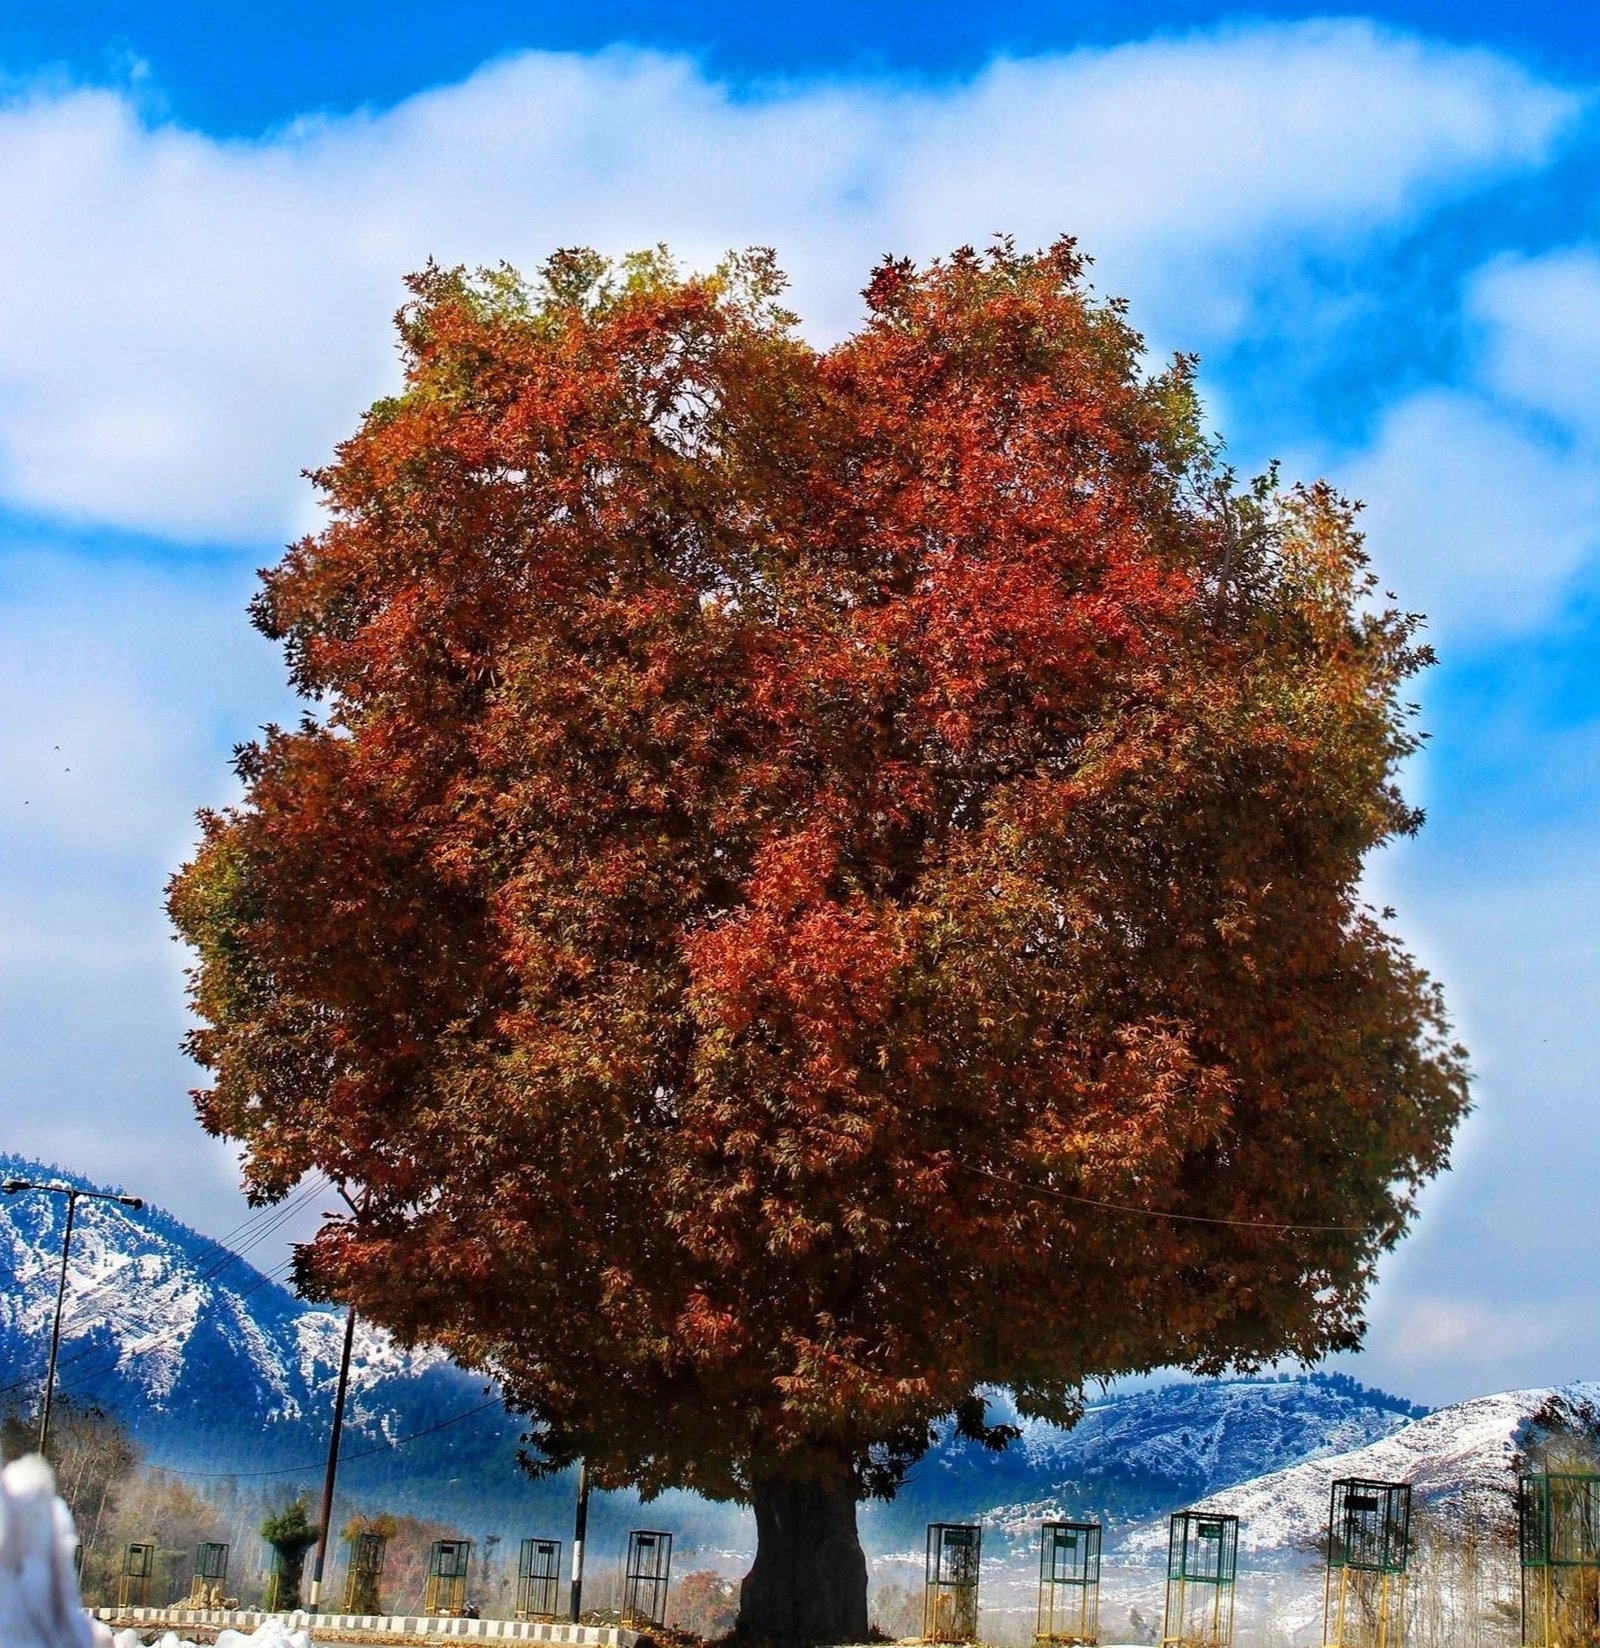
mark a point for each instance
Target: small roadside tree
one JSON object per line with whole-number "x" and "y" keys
{"x": 704, "y": 1604}
{"x": 366, "y": 1540}
{"x": 91, "y": 1452}
{"x": 291, "y": 1533}
{"x": 825, "y": 882}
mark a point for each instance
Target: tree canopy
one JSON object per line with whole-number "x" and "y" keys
{"x": 820, "y": 882}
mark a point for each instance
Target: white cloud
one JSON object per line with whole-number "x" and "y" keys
{"x": 1542, "y": 317}
{"x": 1494, "y": 1287}
{"x": 1473, "y": 518}
{"x": 185, "y": 323}
{"x": 1485, "y": 500}
{"x": 1448, "y": 1347}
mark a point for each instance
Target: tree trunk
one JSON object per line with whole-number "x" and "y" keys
{"x": 809, "y": 1580}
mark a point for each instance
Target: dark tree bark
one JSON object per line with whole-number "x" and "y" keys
{"x": 809, "y": 1580}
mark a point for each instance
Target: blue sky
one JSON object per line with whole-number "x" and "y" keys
{"x": 1380, "y": 231}
{"x": 238, "y": 69}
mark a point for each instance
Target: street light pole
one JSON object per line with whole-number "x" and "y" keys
{"x": 72, "y": 1193}
{"x": 55, "y": 1326}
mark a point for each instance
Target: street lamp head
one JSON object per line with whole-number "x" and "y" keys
{"x": 135, "y": 1202}
{"x": 12, "y": 1186}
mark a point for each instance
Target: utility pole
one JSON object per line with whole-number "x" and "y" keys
{"x": 323, "y": 1531}
{"x": 579, "y": 1527}
{"x": 315, "y": 1598}
{"x": 72, "y": 1193}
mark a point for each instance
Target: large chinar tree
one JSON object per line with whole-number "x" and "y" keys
{"x": 820, "y": 884}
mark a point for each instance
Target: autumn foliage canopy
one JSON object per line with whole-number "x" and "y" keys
{"x": 822, "y": 881}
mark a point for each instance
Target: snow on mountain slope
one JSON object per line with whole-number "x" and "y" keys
{"x": 207, "y": 1360}
{"x": 1456, "y": 1456}
{"x": 1203, "y": 1433}
{"x": 1144, "y": 1452}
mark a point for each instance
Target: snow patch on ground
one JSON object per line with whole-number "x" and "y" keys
{"x": 265, "y": 1636}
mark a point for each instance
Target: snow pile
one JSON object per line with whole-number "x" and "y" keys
{"x": 39, "y": 1604}
{"x": 266, "y": 1636}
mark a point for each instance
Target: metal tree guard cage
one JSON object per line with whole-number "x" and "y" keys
{"x": 538, "y": 1579}
{"x": 138, "y": 1568}
{"x": 272, "y": 1599}
{"x": 1069, "y": 1583}
{"x": 950, "y": 1582}
{"x": 363, "y": 1576}
{"x": 1202, "y": 1564}
{"x": 210, "y": 1575}
{"x": 445, "y": 1595}
{"x": 1369, "y": 1540}
{"x": 646, "y": 1578}
{"x": 1558, "y": 1524}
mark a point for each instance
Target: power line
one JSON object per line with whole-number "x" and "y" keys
{"x": 259, "y": 1225}
{"x": 1143, "y": 1212}
{"x": 275, "y": 1217}
{"x": 217, "y": 1254}
{"x": 278, "y": 1273}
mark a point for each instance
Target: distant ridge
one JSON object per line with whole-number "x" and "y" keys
{"x": 1458, "y": 1459}
{"x": 1143, "y": 1453}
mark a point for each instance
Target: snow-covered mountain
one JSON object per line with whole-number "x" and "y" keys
{"x": 1144, "y": 1452}
{"x": 208, "y": 1362}
{"x": 1458, "y": 1458}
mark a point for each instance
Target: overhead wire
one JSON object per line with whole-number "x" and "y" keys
{"x": 143, "y": 1347}
{"x": 1144, "y": 1212}
{"x": 258, "y": 1227}
{"x": 261, "y": 1224}
{"x": 264, "y": 1223}
{"x": 220, "y": 1251}
{"x": 216, "y": 1256}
